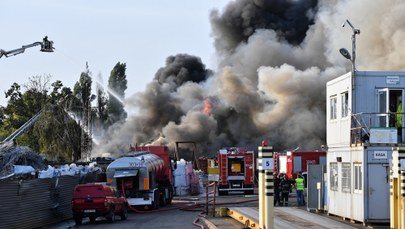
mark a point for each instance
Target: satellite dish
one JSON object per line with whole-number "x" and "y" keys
{"x": 345, "y": 53}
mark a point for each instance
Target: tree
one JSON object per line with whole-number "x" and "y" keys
{"x": 22, "y": 107}
{"x": 59, "y": 134}
{"x": 117, "y": 84}
{"x": 102, "y": 114}
{"x": 55, "y": 135}
{"x": 2, "y": 118}
{"x": 82, "y": 91}
{"x": 33, "y": 100}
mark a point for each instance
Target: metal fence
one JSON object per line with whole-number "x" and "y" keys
{"x": 37, "y": 202}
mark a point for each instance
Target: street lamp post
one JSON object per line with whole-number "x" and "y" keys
{"x": 344, "y": 52}
{"x": 352, "y": 59}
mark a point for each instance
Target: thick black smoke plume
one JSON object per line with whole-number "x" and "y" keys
{"x": 290, "y": 19}
{"x": 275, "y": 58}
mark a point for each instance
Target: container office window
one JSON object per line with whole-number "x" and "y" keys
{"x": 334, "y": 182}
{"x": 333, "y": 108}
{"x": 345, "y": 104}
{"x": 358, "y": 175}
{"x": 346, "y": 178}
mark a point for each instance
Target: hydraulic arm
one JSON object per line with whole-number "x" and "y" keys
{"x": 46, "y": 46}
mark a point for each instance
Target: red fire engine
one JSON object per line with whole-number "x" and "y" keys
{"x": 236, "y": 170}
{"x": 292, "y": 162}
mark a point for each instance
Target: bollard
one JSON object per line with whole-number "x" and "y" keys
{"x": 266, "y": 187}
{"x": 397, "y": 189}
{"x": 269, "y": 199}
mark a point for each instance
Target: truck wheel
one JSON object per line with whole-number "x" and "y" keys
{"x": 155, "y": 202}
{"x": 222, "y": 193}
{"x": 110, "y": 216}
{"x": 124, "y": 213}
{"x": 169, "y": 200}
{"x": 162, "y": 201}
{"x": 92, "y": 219}
{"x": 78, "y": 220}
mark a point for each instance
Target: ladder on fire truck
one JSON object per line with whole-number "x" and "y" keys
{"x": 223, "y": 169}
{"x": 9, "y": 141}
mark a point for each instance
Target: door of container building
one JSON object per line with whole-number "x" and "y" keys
{"x": 378, "y": 191}
{"x": 315, "y": 191}
{"x": 387, "y": 101}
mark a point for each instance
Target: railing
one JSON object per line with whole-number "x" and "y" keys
{"x": 210, "y": 189}
{"x": 361, "y": 124}
{"x": 26, "y": 126}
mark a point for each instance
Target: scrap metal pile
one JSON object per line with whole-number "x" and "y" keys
{"x": 18, "y": 162}
{"x": 11, "y": 156}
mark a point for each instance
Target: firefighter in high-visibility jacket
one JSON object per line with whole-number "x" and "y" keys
{"x": 299, "y": 186}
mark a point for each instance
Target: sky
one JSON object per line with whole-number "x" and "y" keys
{"x": 141, "y": 34}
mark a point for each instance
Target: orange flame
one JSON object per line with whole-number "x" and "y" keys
{"x": 207, "y": 106}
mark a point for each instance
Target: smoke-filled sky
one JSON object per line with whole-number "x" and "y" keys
{"x": 274, "y": 59}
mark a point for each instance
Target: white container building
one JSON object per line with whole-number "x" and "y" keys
{"x": 361, "y": 136}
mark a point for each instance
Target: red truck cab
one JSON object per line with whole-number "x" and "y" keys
{"x": 94, "y": 200}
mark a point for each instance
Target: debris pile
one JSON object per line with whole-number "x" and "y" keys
{"x": 11, "y": 156}
{"x": 69, "y": 170}
{"x": 24, "y": 163}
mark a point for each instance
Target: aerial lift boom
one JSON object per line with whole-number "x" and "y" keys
{"x": 46, "y": 46}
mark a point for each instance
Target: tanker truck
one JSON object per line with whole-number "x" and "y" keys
{"x": 143, "y": 176}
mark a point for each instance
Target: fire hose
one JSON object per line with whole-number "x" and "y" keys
{"x": 155, "y": 210}
{"x": 193, "y": 207}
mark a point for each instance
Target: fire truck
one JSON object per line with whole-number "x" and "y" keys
{"x": 144, "y": 176}
{"x": 236, "y": 170}
{"x": 292, "y": 162}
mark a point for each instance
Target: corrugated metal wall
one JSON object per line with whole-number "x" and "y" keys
{"x": 36, "y": 203}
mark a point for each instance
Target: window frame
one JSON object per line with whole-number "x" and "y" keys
{"x": 346, "y": 177}
{"x": 333, "y": 176}
{"x": 358, "y": 177}
{"x": 333, "y": 107}
{"x": 345, "y": 104}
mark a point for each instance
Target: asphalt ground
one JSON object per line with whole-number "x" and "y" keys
{"x": 285, "y": 217}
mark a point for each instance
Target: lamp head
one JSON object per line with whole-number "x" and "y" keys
{"x": 345, "y": 53}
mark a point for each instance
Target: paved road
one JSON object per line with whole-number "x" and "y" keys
{"x": 182, "y": 214}
{"x": 289, "y": 218}
{"x": 185, "y": 213}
